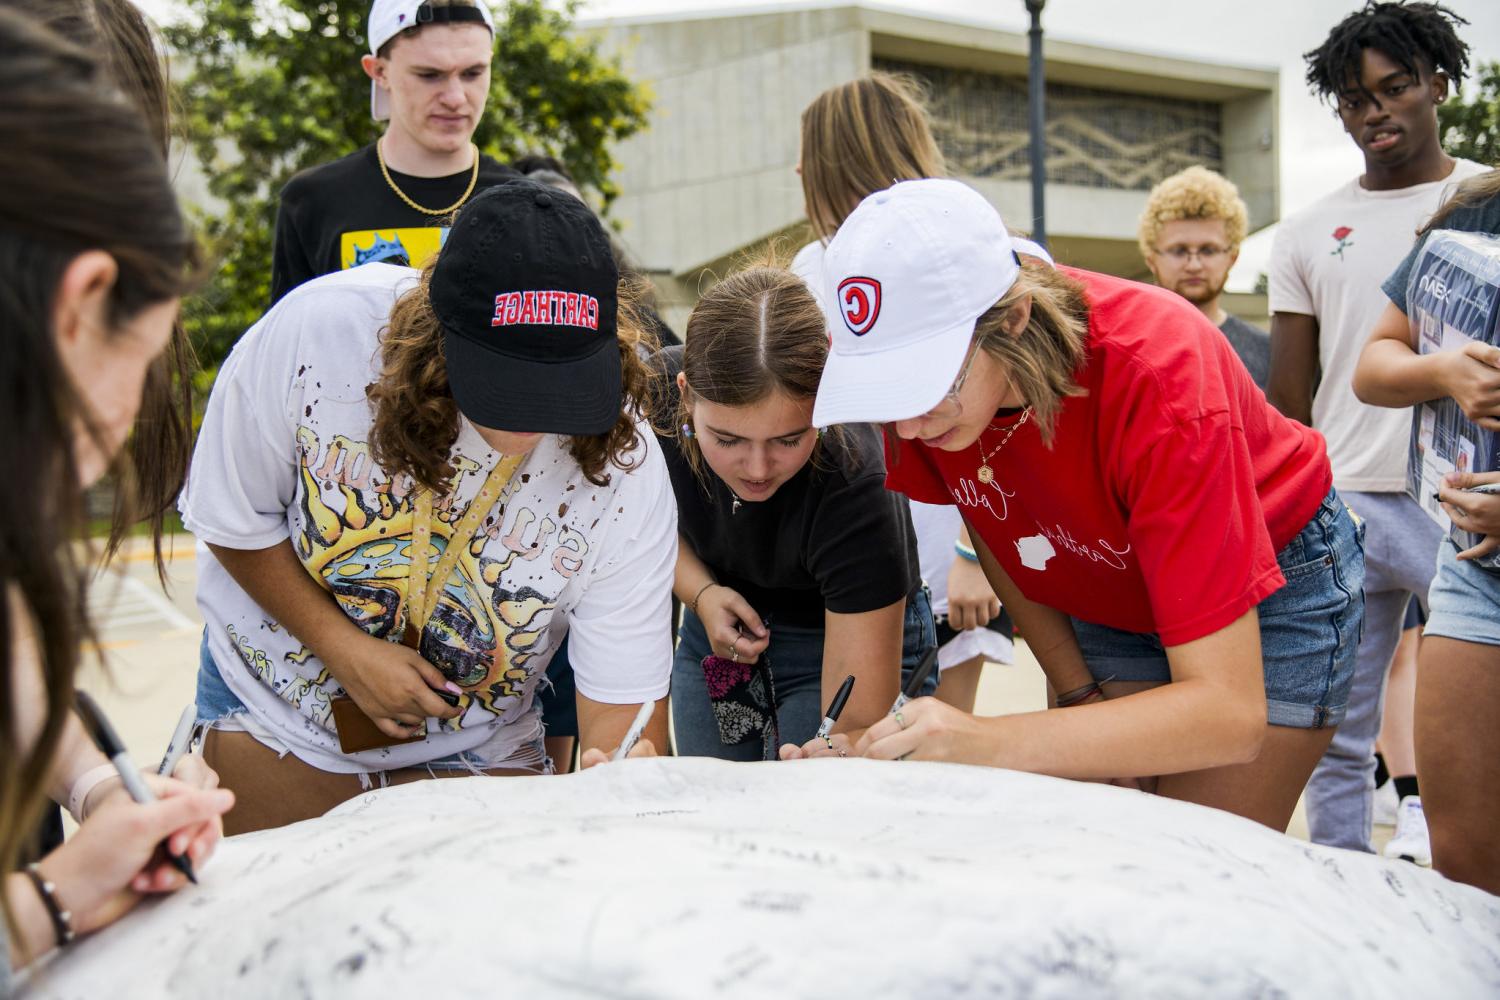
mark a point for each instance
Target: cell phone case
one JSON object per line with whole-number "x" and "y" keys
{"x": 743, "y": 698}
{"x": 357, "y": 731}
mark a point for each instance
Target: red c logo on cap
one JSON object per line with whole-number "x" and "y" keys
{"x": 859, "y": 300}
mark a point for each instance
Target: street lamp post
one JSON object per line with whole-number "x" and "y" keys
{"x": 1037, "y": 106}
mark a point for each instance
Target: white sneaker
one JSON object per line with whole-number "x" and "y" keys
{"x": 1410, "y": 840}
{"x": 1385, "y": 804}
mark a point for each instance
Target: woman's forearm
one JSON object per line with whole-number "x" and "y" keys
{"x": 867, "y": 645}
{"x": 1178, "y": 727}
{"x": 1391, "y": 374}
{"x": 278, "y": 582}
{"x": 34, "y": 935}
{"x": 691, "y": 575}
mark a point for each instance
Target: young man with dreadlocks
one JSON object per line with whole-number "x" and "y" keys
{"x": 1385, "y": 69}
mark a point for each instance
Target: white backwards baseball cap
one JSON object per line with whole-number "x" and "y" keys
{"x": 908, "y": 274}
{"x": 388, "y": 18}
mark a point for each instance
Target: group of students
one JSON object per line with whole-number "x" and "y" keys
{"x": 411, "y": 484}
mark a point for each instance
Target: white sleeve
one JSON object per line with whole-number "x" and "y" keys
{"x": 808, "y": 265}
{"x": 244, "y": 471}
{"x": 620, "y": 631}
{"x": 1287, "y": 284}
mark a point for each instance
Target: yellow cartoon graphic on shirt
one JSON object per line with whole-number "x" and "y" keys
{"x": 354, "y": 536}
{"x": 411, "y": 247}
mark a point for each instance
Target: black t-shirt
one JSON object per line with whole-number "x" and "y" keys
{"x": 830, "y": 538}
{"x": 343, "y": 214}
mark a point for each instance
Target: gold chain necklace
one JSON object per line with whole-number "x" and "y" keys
{"x": 986, "y": 474}
{"x": 473, "y": 179}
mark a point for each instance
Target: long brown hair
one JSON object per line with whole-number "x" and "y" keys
{"x": 161, "y": 441}
{"x": 82, "y": 172}
{"x": 757, "y": 332}
{"x": 861, "y": 137}
{"x": 1041, "y": 361}
{"x": 1470, "y": 192}
{"x": 416, "y": 417}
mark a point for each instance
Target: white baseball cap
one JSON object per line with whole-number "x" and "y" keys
{"x": 388, "y": 18}
{"x": 908, "y": 274}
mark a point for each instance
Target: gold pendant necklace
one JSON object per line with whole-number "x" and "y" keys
{"x": 986, "y": 474}
{"x": 473, "y": 180}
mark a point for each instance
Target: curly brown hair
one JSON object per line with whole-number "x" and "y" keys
{"x": 416, "y": 417}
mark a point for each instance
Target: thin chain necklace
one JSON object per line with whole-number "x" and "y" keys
{"x": 986, "y": 474}
{"x": 473, "y": 179}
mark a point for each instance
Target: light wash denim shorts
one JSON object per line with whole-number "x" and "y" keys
{"x": 1309, "y": 629}
{"x": 1464, "y": 600}
{"x": 217, "y": 702}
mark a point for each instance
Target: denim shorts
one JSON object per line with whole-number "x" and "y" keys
{"x": 217, "y": 702}
{"x": 1309, "y": 629}
{"x": 1464, "y": 600}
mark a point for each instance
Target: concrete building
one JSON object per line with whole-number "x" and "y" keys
{"x": 714, "y": 175}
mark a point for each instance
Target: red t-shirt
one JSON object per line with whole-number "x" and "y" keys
{"x": 1169, "y": 487}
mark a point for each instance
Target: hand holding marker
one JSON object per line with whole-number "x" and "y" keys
{"x": 633, "y": 734}
{"x": 913, "y": 688}
{"x": 835, "y": 709}
{"x": 108, "y": 742}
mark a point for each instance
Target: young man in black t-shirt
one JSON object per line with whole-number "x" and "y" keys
{"x": 429, "y": 68}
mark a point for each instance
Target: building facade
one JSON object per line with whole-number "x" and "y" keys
{"x": 714, "y": 177}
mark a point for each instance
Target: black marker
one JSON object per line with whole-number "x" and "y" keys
{"x": 918, "y": 678}
{"x": 1487, "y": 488}
{"x": 108, "y": 742}
{"x": 835, "y": 707}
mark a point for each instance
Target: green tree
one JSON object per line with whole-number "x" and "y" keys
{"x": 1471, "y": 128}
{"x": 271, "y": 87}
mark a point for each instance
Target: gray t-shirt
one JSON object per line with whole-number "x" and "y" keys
{"x": 1252, "y": 344}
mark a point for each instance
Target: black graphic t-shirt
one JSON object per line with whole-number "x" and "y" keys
{"x": 343, "y": 214}
{"x": 830, "y": 538}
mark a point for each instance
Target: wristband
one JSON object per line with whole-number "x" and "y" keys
{"x": 1088, "y": 692}
{"x": 62, "y": 920}
{"x": 86, "y": 783}
{"x": 966, "y": 552}
{"x": 701, "y": 590}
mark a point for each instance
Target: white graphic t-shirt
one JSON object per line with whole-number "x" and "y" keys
{"x": 284, "y": 454}
{"x": 1328, "y": 261}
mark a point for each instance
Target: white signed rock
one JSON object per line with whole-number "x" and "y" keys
{"x": 834, "y": 878}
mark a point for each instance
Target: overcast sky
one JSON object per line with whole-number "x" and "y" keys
{"x": 1315, "y": 153}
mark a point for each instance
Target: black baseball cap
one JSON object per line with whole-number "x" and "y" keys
{"x": 525, "y": 289}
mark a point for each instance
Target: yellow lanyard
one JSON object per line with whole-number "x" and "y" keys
{"x": 422, "y": 597}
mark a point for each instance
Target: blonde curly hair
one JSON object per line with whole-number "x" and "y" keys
{"x": 1194, "y": 193}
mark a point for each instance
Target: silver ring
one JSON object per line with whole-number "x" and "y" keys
{"x": 900, "y": 721}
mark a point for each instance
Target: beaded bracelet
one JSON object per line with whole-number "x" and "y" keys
{"x": 62, "y": 920}
{"x": 965, "y": 551}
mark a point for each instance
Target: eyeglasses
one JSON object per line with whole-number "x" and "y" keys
{"x": 1183, "y": 254}
{"x": 949, "y": 407}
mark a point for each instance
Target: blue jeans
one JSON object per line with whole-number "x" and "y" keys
{"x": 796, "y": 658}
{"x": 1309, "y": 629}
